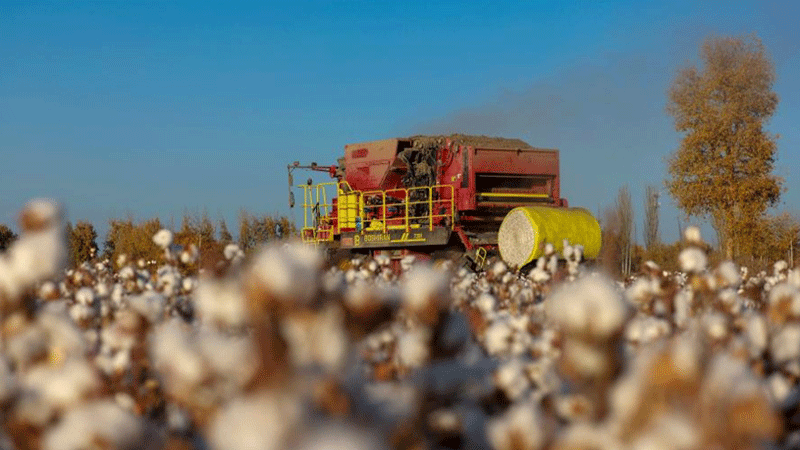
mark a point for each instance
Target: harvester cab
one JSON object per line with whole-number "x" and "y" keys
{"x": 429, "y": 194}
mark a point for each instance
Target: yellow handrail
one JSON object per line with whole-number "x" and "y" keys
{"x": 356, "y": 207}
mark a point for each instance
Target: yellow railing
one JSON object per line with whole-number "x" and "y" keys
{"x": 382, "y": 211}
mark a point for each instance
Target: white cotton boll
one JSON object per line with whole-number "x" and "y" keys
{"x": 26, "y": 346}
{"x": 413, "y": 347}
{"x": 188, "y": 284}
{"x": 163, "y": 238}
{"x": 220, "y": 302}
{"x": 510, "y": 377}
{"x": 117, "y": 293}
{"x": 85, "y": 296}
{"x": 151, "y": 305}
{"x": 102, "y": 290}
{"x": 785, "y": 344}
{"x": 715, "y": 325}
{"x": 692, "y": 235}
{"x": 756, "y": 333}
{"x": 568, "y": 252}
{"x": 784, "y": 291}
{"x": 383, "y": 259}
{"x": 125, "y": 401}
{"x": 233, "y": 253}
{"x": 539, "y": 275}
{"x": 549, "y": 249}
{"x": 692, "y": 259}
{"x": 424, "y": 284}
{"x": 683, "y": 307}
{"x": 497, "y": 337}
{"x": 175, "y": 356}
{"x": 639, "y": 291}
{"x": 340, "y": 436}
{"x": 82, "y": 313}
{"x": 289, "y": 272}
{"x": 50, "y": 388}
{"x": 320, "y": 340}
{"x": 645, "y": 329}
{"x": 585, "y": 359}
{"x": 100, "y": 421}
{"x": 407, "y": 262}
{"x": 589, "y": 305}
{"x": 127, "y": 273}
{"x": 779, "y": 388}
{"x": 729, "y": 274}
{"x": 779, "y": 267}
{"x": 233, "y": 358}
{"x": 498, "y": 269}
{"x": 35, "y": 256}
{"x": 552, "y": 264}
{"x": 671, "y": 431}
{"x": 48, "y": 289}
{"x": 264, "y": 421}
{"x": 521, "y": 426}
{"x": 486, "y": 303}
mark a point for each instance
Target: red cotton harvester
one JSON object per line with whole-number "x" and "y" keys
{"x": 451, "y": 194}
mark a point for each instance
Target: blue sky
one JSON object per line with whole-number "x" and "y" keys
{"x": 160, "y": 108}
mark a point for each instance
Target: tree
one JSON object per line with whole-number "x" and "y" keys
{"x": 7, "y": 237}
{"x": 651, "y": 217}
{"x": 723, "y": 167}
{"x": 624, "y": 212}
{"x": 224, "y": 235}
{"x": 82, "y": 242}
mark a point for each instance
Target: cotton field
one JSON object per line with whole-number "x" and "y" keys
{"x": 281, "y": 350}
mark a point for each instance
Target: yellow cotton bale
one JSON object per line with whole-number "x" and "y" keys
{"x": 525, "y": 231}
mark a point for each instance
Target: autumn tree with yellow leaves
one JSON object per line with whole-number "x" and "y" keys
{"x": 723, "y": 167}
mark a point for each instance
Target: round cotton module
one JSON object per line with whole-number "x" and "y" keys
{"x": 525, "y": 231}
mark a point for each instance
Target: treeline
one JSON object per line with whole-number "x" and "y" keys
{"x": 771, "y": 238}
{"x": 135, "y": 239}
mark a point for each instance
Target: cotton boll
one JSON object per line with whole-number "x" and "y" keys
{"x": 289, "y": 273}
{"x": 692, "y": 259}
{"x": 779, "y": 388}
{"x": 263, "y": 421}
{"x": 586, "y": 360}
{"x": 100, "y": 421}
{"x": 233, "y": 359}
{"x": 35, "y": 256}
{"x": 590, "y": 305}
{"x": 341, "y": 437}
{"x": 49, "y": 389}
{"x": 221, "y": 302}
{"x": 497, "y": 337}
{"x": 693, "y": 236}
{"x": 486, "y": 303}
{"x": 413, "y": 348}
{"x": 756, "y": 333}
{"x": 425, "y": 287}
{"x": 151, "y": 305}
{"x": 511, "y": 378}
{"x": 521, "y": 426}
{"x": 319, "y": 339}
{"x": 715, "y": 325}
{"x": 176, "y": 358}
{"x": 785, "y": 344}
{"x": 163, "y": 238}
{"x": 233, "y": 253}
{"x": 729, "y": 274}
